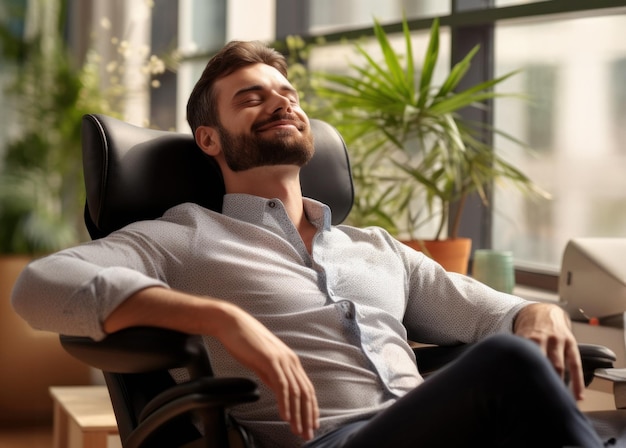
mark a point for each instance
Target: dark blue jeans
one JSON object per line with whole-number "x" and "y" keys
{"x": 502, "y": 392}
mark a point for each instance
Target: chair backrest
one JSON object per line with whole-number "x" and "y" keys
{"x": 133, "y": 173}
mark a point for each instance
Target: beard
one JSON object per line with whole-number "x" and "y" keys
{"x": 245, "y": 151}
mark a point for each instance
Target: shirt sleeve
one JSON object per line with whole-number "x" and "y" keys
{"x": 74, "y": 291}
{"x": 448, "y": 308}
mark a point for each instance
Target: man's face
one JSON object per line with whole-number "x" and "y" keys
{"x": 261, "y": 123}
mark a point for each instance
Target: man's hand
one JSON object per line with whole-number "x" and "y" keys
{"x": 550, "y": 327}
{"x": 254, "y": 346}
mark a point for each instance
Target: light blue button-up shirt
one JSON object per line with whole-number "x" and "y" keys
{"x": 347, "y": 308}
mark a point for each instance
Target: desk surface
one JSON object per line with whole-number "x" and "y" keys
{"x": 89, "y": 406}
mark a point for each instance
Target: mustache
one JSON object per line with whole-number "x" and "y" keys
{"x": 278, "y": 117}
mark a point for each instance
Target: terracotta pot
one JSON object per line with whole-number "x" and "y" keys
{"x": 31, "y": 361}
{"x": 452, "y": 254}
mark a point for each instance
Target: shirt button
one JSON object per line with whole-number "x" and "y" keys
{"x": 271, "y": 204}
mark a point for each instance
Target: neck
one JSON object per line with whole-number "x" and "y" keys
{"x": 281, "y": 182}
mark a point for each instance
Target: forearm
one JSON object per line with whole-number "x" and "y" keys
{"x": 167, "y": 308}
{"x": 435, "y": 317}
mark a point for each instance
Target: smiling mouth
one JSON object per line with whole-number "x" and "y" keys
{"x": 279, "y": 121}
{"x": 279, "y": 124}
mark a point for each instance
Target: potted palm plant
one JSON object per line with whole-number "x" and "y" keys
{"x": 414, "y": 155}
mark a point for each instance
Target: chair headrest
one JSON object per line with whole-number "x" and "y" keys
{"x": 134, "y": 173}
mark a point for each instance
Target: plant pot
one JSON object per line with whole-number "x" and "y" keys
{"x": 31, "y": 360}
{"x": 452, "y": 254}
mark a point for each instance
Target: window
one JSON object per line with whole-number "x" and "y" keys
{"x": 573, "y": 72}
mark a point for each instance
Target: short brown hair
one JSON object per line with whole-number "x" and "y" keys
{"x": 202, "y": 104}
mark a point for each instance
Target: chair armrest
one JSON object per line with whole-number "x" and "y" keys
{"x": 135, "y": 350}
{"x": 595, "y": 357}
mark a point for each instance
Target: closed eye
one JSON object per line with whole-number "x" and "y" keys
{"x": 293, "y": 99}
{"x": 252, "y": 101}
{"x": 253, "y": 95}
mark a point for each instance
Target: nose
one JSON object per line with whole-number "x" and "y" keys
{"x": 279, "y": 102}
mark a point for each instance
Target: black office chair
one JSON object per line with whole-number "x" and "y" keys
{"x": 132, "y": 174}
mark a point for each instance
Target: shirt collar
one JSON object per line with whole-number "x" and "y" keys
{"x": 253, "y": 209}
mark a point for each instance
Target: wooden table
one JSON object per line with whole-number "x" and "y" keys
{"x": 83, "y": 418}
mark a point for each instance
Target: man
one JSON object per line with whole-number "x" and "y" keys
{"x": 318, "y": 315}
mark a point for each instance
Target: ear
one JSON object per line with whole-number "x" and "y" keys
{"x": 207, "y": 139}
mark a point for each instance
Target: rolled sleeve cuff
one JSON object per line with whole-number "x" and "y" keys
{"x": 107, "y": 290}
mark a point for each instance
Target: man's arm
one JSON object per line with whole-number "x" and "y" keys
{"x": 245, "y": 338}
{"x": 106, "y": 285}
{"x": 550, "y": 327}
